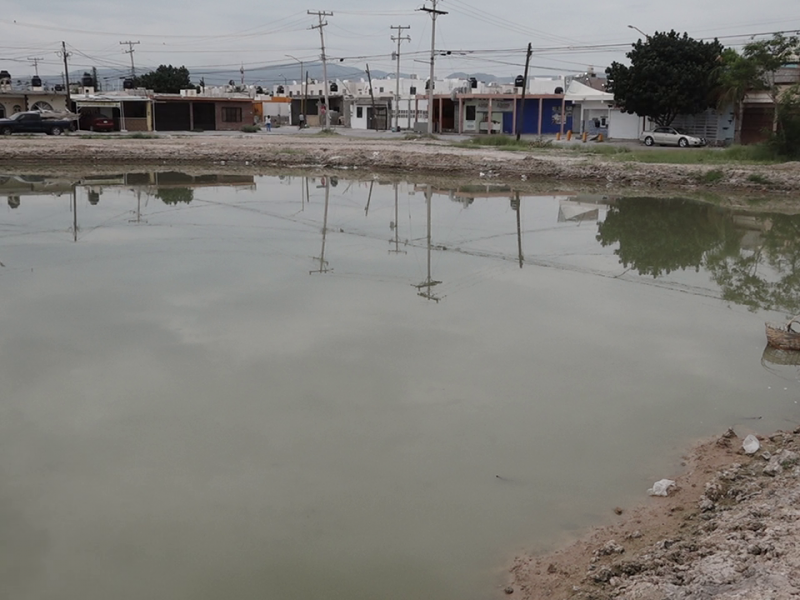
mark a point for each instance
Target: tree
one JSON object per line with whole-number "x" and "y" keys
{"x": 175, "y": 195}
{"x": 658, "y": 236}
{"x": 166, "y": 79}
{"x": 669, "y": 75}
{"x": 753, "y": 71}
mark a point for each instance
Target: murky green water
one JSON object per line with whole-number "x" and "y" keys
{"x": 225, "y": 387}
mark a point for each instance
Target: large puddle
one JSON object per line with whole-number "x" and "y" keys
{"x": 303, "y": 388}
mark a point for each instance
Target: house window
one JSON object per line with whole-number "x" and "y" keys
{"x": 359, "y": 112}
{"x": 290, "y": 93}
{"x": 17, "y": 108}
{"x": 413, "y": 91}
{"x": 471, "y": 112}
{"x": 380, "y": 90}
{"x": 231, "y": 114}
{"x": 2, "y": 111}
{"x": 320, "y": 92}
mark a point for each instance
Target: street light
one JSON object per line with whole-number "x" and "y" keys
{"x": 640, "y": 31}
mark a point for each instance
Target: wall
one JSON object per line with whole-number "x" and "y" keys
{"x": 247, "y": 115}
{"x": 624, "y": 126}
{"x": 25, "y": 100}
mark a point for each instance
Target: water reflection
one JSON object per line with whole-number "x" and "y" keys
{"x": 246, "y": 396}
{"x": 752, "y": 260}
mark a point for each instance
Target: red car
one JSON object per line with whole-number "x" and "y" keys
{"x": 97, "y": 122}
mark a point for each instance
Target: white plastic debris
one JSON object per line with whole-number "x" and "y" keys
{"x": 751, "y": 444}
{"x": 661, "y": 488}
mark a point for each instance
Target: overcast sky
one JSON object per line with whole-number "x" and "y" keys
{"x": 483, "y": 36}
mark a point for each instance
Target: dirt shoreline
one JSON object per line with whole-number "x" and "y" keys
{"x": 729, "y": 530}
{"x": 398, "y": 157}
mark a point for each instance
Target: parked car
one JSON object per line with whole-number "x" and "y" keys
{"x": 34, "y": 122}
{"x": 669, "y": 136}
{"x": 97, "y": 122}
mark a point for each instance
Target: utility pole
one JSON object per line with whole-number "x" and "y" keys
{"x": 130, "y": 51}
{"x": 241, "y": 70}
{"x": 320, "y": 15}
{"x": 371, "y": 95}
{"x": 36, "y": 62}
{"x": 400, "y": 38}
{"x": 524, "y": 89}
{"x": 65, "y": 55}
{"x": 434, "y": 13}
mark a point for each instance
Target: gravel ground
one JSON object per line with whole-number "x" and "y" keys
{"x": 730, "y": 531}
{"x": 396, "y": 156}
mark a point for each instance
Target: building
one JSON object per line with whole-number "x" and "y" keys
{"x": 31, "y": 95}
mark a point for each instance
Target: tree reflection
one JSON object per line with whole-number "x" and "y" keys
{"x": 175, "y": 195}
{"x": 658, "y": 236}
{"x": 756, "y": 264}
{"x": 766, "y": 276}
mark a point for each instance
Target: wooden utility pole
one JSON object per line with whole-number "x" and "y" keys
{"x": 320, "y": 15}
{"x": 399, "y": 39}
{"x": 372, "y": 96}
{"x": 65, "y": 55}
{"x": 524, "y": 89}
{"x": 434, "y": 13}
{"x": 130, "y": 51}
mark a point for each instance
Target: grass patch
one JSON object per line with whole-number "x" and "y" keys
{"x": 505, "y": 142}
{"x": 758, "y": 178}
{"x": 250, "y": 129}
{"x": 756, "y": 154}
{"x": 710, "y": 177}
{"x": 327, "y": 133}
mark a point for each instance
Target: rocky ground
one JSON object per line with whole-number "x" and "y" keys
{"x": 731, "y": 530}
{"x": 395, "y": 156}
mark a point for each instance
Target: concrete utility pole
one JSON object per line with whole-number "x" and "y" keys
{"x": 65, "y": 55}
{"x": 130, "y": 51}
{"x": 302, "y": 86}
{"x": 400, "y": 38}
{"x": 36, "y": 62}
{"x": 320, "y": 15}
{"x": 434, "y": 13}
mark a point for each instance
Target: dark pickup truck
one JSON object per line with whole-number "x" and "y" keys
{"x": 32, "y": 122}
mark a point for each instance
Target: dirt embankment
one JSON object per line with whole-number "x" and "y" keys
{"x": 388, "y": 156}
{"x": 731, "y": 530}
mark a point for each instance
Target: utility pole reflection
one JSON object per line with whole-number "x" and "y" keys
{"x": 323, "y": 264}
{"x": 516, "y": 206}
{"x": 429, "y": 283}
{"x": 396, "y": 225}
{"x": 74, "y": 214}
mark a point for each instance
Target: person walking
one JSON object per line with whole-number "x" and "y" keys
{"x": 269, "y": 124}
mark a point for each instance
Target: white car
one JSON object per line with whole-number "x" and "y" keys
{"x": 669, "y": 136}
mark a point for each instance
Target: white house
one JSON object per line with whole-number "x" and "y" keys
{"x": 594, "y": 113}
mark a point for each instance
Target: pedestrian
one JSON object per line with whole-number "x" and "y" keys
{"x": 301, "y": 121}
{"x": 269, "y": 124}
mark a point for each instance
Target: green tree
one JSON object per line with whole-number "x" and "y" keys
{"x": 754, "y": 70}
{"x": 766, "y": 275}
{"x": 175, "y": 195}
{"x": 166, "y": 79}
{"x": 670, "y": 74}
{"x": 657, "y": 236}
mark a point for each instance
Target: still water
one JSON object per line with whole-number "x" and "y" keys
{"x": 305, "y": 388}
